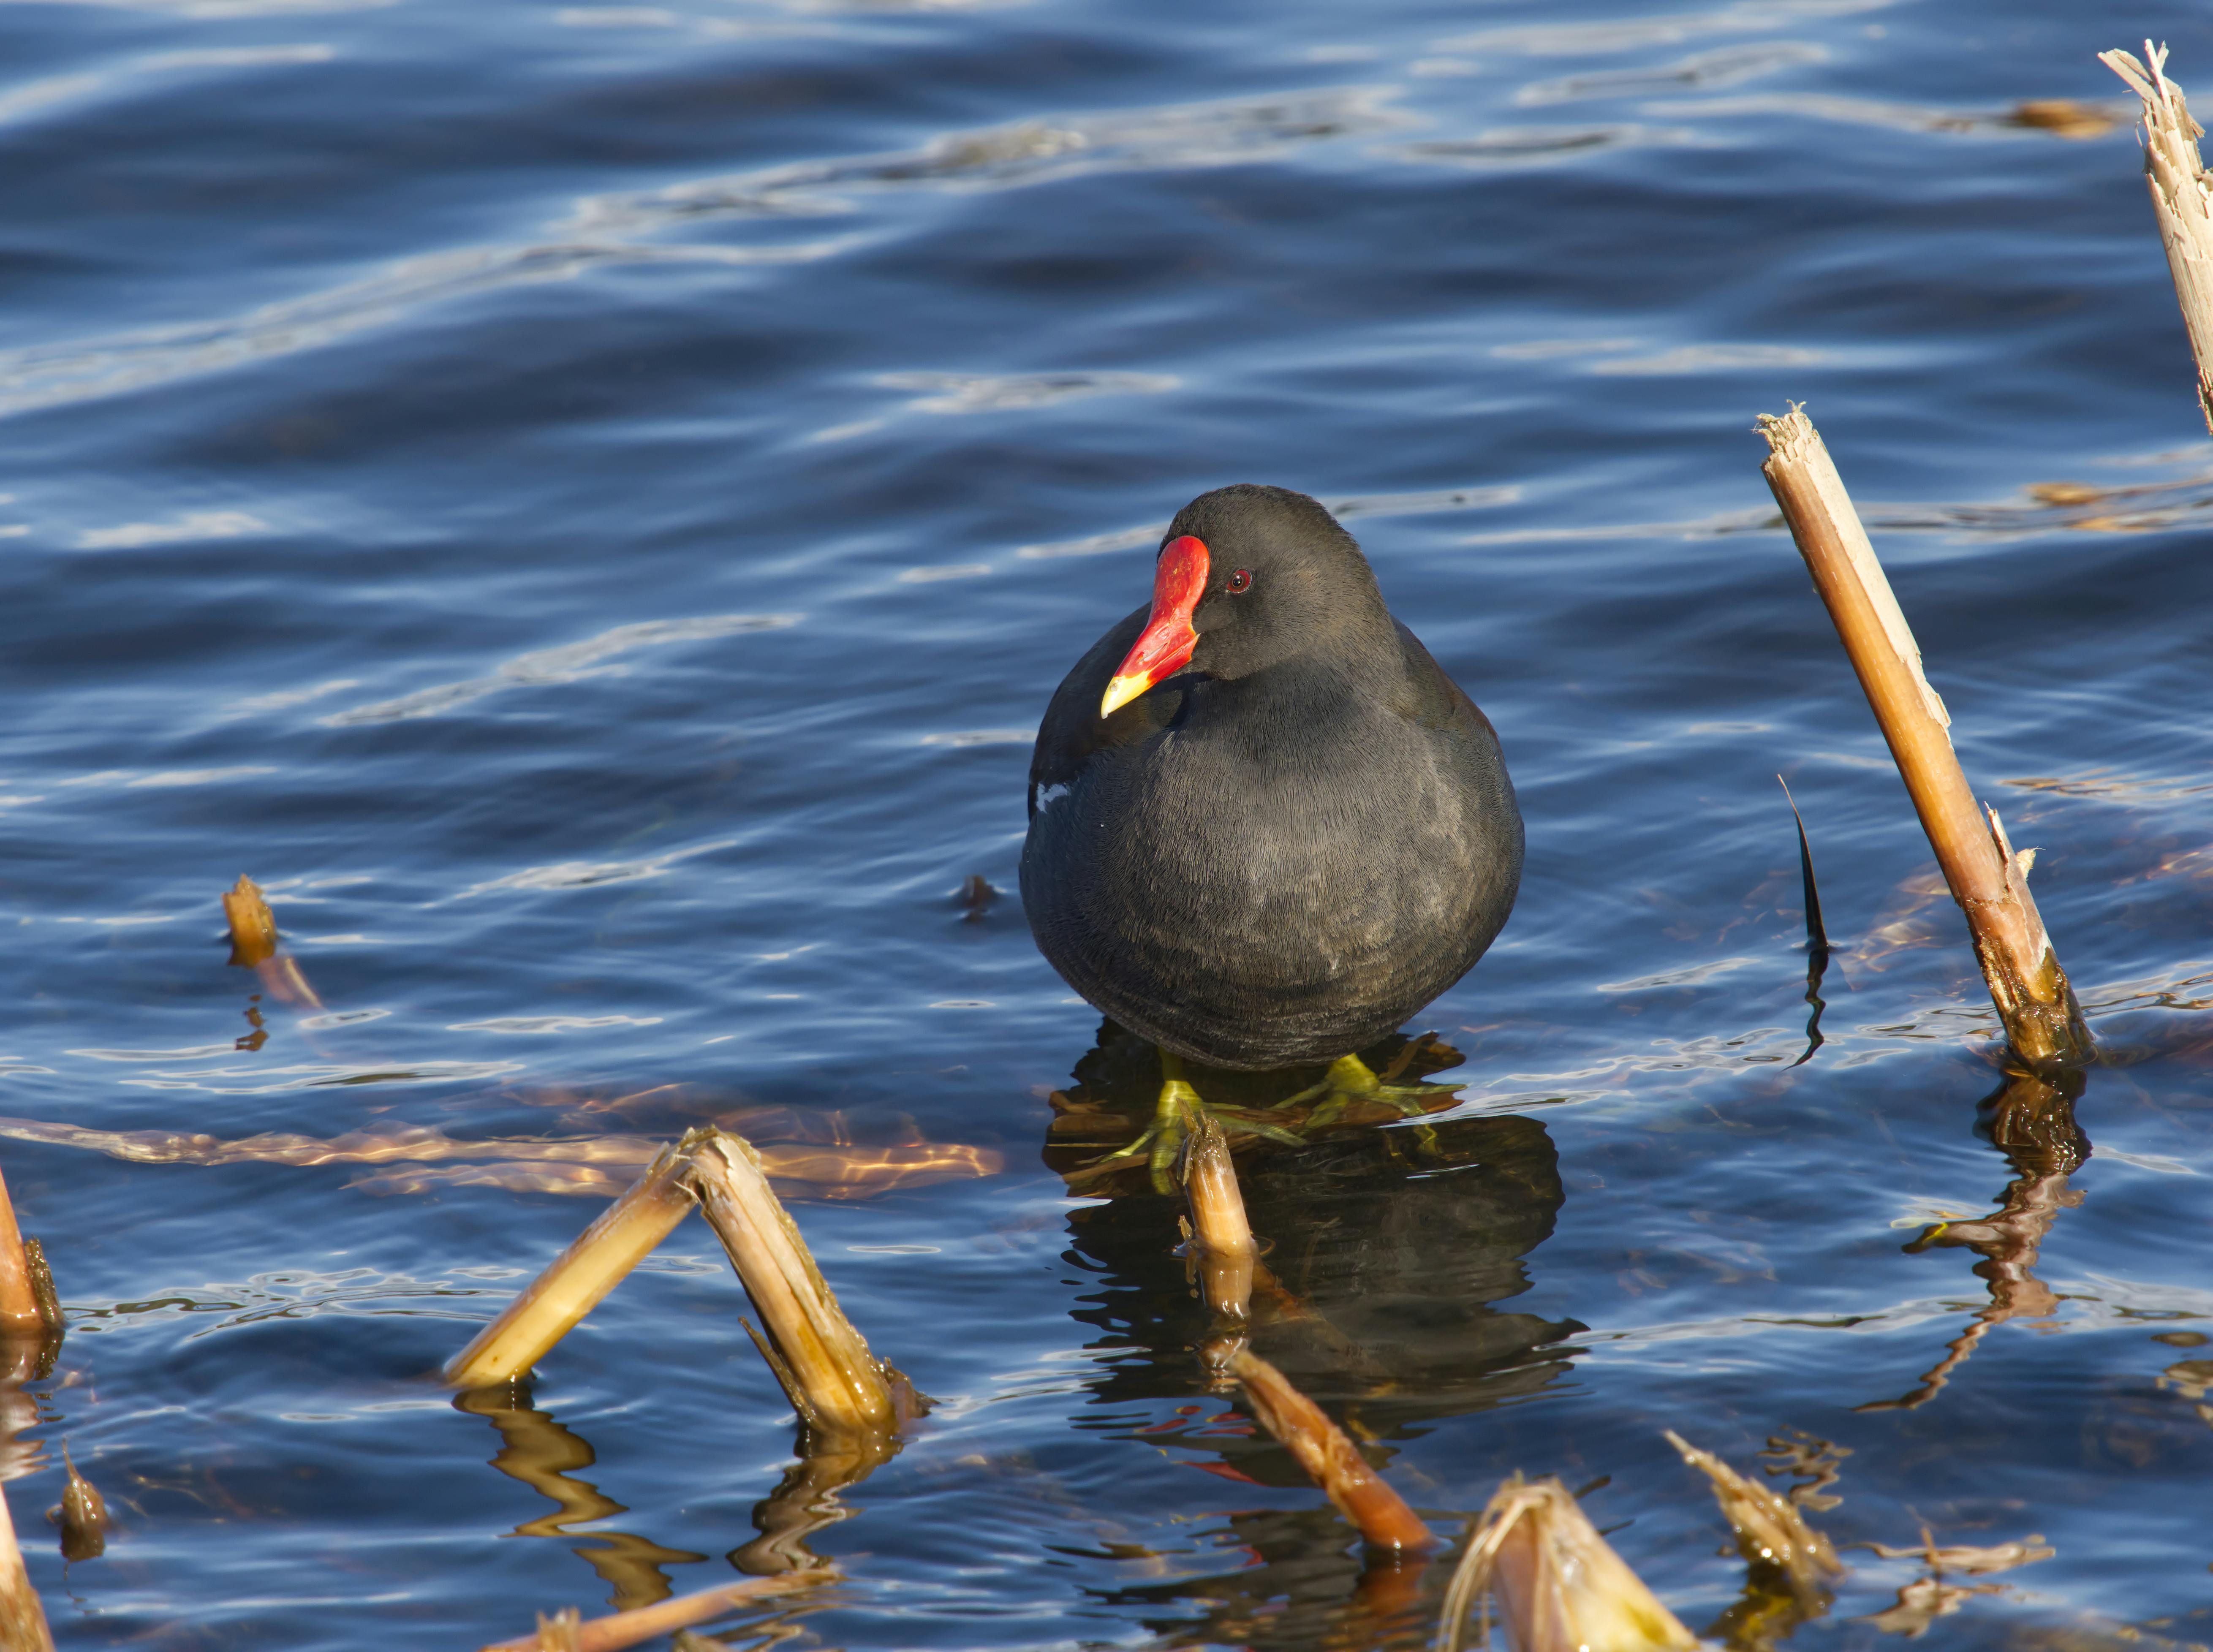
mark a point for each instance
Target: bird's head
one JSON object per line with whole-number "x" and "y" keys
{"x": 1249, "y": 577}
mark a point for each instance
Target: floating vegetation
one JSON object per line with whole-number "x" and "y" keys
{"x": 2065, "y": 118}
{"x": 975, "y": 897}
{"x": 586, "y": 1165}
{"x": 567, "y": 1630}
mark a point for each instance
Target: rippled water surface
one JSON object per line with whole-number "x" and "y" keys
{"x": 588, "y": 504}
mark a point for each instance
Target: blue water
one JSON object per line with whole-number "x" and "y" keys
{"x": 587, "y": 505}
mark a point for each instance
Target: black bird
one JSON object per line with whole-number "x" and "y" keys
{"x": 1264, "y": 826}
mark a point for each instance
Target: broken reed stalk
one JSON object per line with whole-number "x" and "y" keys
{"x": 591, "y": 1267}
{"x": 663, "y": 1618}
{"x": 254, "y": 945}
{"x": 1222, "y": 1248}
{"x": 836, "y": 1386}
{"x": 1988, "y": 880}
{"x": 22, "y": 1620}
{"x": 84, "y": 1515}
{"x": 1361, "y": 1496}
{"x": 2181, "y": 199}
{"x": 1560, "y": 1588}
{"x": 26, "y": 1304}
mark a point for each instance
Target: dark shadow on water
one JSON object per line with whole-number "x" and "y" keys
{"x": 1387, "y": 1252}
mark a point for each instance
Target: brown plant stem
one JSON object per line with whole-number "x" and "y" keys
{"x": 254, "y": 945}
{"x": 629, "y": 1628}
{"x": 22, "y": 1620}
{"x": 840, "y": 1390}
{"x": 1361, "y": 1496}
{"x": 1988, "y": 879}
{"x": 23, "y": 1314}
{"x": 576, "y": 1281}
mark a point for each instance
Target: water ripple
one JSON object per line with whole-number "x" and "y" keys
{"x": 49, "y": 376}
{"x": 548, "y": 667}
{"x": 1174, "y": 136}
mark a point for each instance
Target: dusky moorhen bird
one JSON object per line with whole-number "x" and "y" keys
{"x": 1264, "y": 826}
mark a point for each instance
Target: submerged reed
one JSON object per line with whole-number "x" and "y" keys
{"x": 1361, "y": 1494}
{"x": 625, "y": 1629}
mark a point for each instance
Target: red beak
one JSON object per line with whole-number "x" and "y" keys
{"x": 1164, "y": 647}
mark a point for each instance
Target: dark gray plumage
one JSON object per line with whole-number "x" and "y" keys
{"x": 1285, "y": 850}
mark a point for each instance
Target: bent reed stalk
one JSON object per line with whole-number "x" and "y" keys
{"x": 1990, "y": 881}
{"x": 842, "y": 1391}
{"x": 839, "y": 1387}
{"x": 573, "y": 1284}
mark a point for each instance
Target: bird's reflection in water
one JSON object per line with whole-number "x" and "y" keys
{"x": 543, "y": 1454}
{"x": 1387, "y": 1252}
{"x": 2030, "y": 1121}
{"x": 1301, "y": 1586}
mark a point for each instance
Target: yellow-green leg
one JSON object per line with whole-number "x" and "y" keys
{"x": 1173, "y": 1115}
{"x": 1349, "y": 1079}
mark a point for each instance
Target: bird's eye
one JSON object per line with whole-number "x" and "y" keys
{"x": 1240, "y": 582}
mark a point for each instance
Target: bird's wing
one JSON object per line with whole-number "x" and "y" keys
{"x": 1073, "y": 730}
{"x": 1428, "y": 696}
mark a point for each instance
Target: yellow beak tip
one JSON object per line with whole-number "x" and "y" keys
{"x": 1120, "y": 691}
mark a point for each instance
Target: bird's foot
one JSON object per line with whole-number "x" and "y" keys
{"x": 1350, "y": 1080}
{"x": 1174, "y": 1116}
